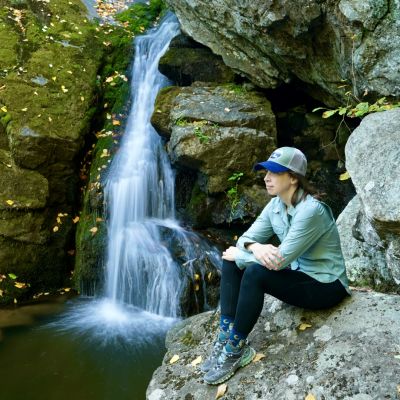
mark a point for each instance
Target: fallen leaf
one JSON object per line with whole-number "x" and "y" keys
{"x": 196, "y": 277}
{"x": 227, "y": 109}
{"x": 258, "y": 357}
{"x": 303, "y": 327}
{"x": 67, "y": 289}
{"x": 15, "y": 301}
{"x": 221, "y": 390}
{"x": 99, "y": 219}
{"x": 75, "y": 220}
{"x": 82, "y": 98}
{"x": 54, "y": 78}
{"x": 94, "y": 230}
{"x": 64, "y": 89}
{"x": 116, "y": 122}
{"x": 209, "y": 275}
{"x": 4, "y": 109}
{"x": 50, "y": 119}
{"x": 9, "y": 202}
{"x": 196, "y": 361}
{"x": 55, "y": 229}
{"x": 344, "y": 176}
{"x": 310, "y": 397}
{"x": 24, "y": 109}
{"x": 20, "y": 285}
{"x": 196, "y": 287}
{"x": 174, "y": 359}
{"x": 1, "y": 293}
{"x": 12, "y": 276}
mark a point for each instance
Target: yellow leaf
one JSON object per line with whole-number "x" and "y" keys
{"x": 209, "y": 275}
{"x": 303, "y": 327}
{"x": 196, "y": 361}
{"x": 99, "y": 219}
{"x": 50, "y": 119}
{"x": 67, "y": 289}
{"x": 235, "y": 237}
{"x": 19, "y": 285}
{"x": 196, "y": 277}
{"x": 109, "y": 79}
{"x": 1, "y": 293}
{"x": 196, "y": 287}
{"x": 54, "y": 78}
{"x": 221, "y": 390}
{"x": 82, "y": 98}
{"x": 258, "y": 357}
{"x": 75, "y": 220}
{"x": 55, "y": 229}
{"x": 94, "y": 230}
{"x": 116, "y": 122}
{"x": 4, "y": 109}
{"x": 59, "y": 220}
{"x": 344, "y": 176}
{"x": 310, "y": 397}
{"x": 24, "y": 109}
{"x": 15, "y": 301}
{"x": 174, "y": 359}
{"x": 70, "y": 72}
{"x": 9, "y": 202}
{"x": 64, "y": 89}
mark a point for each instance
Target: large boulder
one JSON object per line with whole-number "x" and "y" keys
{"x": 370, "y": 224}
{"x": 321, "y": 43}
{"x": 349, "y": 352}
{"x": 216, "y": 132}
{"x": 49, "y": 59}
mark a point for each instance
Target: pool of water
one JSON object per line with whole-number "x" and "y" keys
{"x": 79, "y": 352}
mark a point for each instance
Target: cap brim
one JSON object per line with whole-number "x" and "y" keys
{"x": 270, "y": 166}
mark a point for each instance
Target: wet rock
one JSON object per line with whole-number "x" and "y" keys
{"x": 323, "y": 360}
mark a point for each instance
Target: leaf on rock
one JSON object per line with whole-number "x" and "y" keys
{"x": 304, "y": 326}
{"x": 94, "y": 230}
{"x": 344, "y": 176}
{"x": 116, "y": 122}
{"x": 75, "y": 220}
{"x": 174, "y": 359}
{"x": 55, "y": 229}
{"x": 9, "y": 202}
{"x": 4, "y": 109}
{"x": 12, "y": 276}
{"x": 221, "y": 390}
{"x": 20, "y": 285}
{"x": 196, "y": 361}
{"x": 310, "y": 397}
{"x": 258, "y": 357}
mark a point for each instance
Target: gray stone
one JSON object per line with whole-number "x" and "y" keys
{"x": 321, "y": 43}
{"x": 349, "y": 352}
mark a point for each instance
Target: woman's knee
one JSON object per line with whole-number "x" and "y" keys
{"x": 255, "y": 274}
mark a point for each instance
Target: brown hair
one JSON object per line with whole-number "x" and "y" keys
{"x": 307, "y": 189}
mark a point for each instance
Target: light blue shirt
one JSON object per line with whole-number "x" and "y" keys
{"x": 309, "y": 239}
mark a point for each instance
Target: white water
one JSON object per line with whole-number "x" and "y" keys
{"x": 143, "y": 281}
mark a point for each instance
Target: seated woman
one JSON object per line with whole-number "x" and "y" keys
{"x": 306, "y": 270}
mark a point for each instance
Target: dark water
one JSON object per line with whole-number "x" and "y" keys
{"x": 39, "y": 362}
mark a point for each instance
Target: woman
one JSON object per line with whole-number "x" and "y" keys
{"x": 306, "y": 270}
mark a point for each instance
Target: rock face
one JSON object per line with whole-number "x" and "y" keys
{"x": 49, "y": 58}
{"x": 216, "y": 132}
{"x": 321, "y": 43}
{"x": 349, "y": 352}
{"x": 370, "y": 225}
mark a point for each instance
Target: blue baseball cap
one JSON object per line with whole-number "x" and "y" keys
{"x": 285, "y": 159}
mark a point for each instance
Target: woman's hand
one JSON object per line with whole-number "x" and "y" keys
{"x": 267, "y": 254}
{"x": 230, "y": 253}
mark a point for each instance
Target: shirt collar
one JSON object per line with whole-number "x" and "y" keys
{"x": 281, "y": 207}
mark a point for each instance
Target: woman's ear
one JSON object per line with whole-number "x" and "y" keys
{"x": 294, "y": 180}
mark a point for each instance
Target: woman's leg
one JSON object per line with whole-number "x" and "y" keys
{"x": 231, "y": 279}
{"x": 292, "y": 287}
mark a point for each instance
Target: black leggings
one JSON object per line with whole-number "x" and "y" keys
{"x": 242, "y": 292}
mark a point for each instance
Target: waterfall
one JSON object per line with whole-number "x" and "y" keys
{"x": 143, "y": 282}
{"x": 139, "y": 193}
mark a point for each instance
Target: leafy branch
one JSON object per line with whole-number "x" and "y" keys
{"x": 233, "y": 194}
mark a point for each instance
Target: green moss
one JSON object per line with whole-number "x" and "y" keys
{"x": 189, "y": 340}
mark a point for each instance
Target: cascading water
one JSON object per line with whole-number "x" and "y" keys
{"x": 140, "y": 193}
{"x": 143, "y": 280}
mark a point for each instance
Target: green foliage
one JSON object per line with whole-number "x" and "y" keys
{"x": 233, "y": 193}
{"x": 359, "y": 110}
{"x": 181, "y": 122}
{"x": 203, "y": 138}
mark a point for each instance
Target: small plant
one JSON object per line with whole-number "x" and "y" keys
{"x": 233, "y": 194}
{"x": 203, "y": 138}
{"x": 181, "y": 122}
{"x": 359, "y": 110}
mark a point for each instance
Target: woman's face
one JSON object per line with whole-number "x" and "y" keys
{"x": 279, "y": 184}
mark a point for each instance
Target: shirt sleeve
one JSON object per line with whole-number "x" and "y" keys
{"x": 259, "y": 232}
{"x": 307, "y": 227}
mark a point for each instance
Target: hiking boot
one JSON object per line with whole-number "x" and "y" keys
{"x": 218, "y": 346}
{"x": 228, "y": 363}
